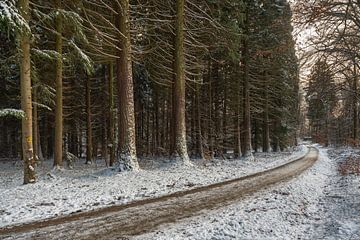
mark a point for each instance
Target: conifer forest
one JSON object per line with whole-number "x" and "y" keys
{"x": 179, "y": 119}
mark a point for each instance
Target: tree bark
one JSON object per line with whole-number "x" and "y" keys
{"x": 38, "y": 155}
{"x": 26, "y": 101}
{"x": 266, "y": 130}
{"x": 58, "y": 154}
{"x": 199, "y": 144}
{"x": 210, "y": 123}
{"x": 127, "y": 141}
{"x": 111, "y": 115}
{"x": 355, "y": 107}
{"x": 89, "y": 144}
{"x": 256, "y": 135}
{"x": 179, "y": 91}
{"x": 247, "y": 117}
{"x": 224, "y": 147}
{"x": 237, "y": 147}
{"x": 35, "y": 127}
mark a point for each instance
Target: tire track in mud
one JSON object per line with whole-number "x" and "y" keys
{"x": 121, "y": 221}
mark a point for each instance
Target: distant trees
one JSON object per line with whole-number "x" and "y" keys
{"x": 322, "y": 100}
{"x": 335, "y": 40}
{"x": 200, "y": 78}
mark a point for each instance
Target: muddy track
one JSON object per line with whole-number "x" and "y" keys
{"x": 138, "y": 217}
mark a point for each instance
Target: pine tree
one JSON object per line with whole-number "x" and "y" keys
{"x": 26, "y": 102}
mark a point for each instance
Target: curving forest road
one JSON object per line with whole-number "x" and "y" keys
{"x": 118, "y": 222}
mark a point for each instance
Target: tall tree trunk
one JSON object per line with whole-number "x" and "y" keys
{"x": 148, "y": 143}
{"x": 199, "y": 144}
{"x": 164, "y": 123}
{"x": 256, "y": 135}
{"x": 38, "y": 155}
{"x": 58, "y": 154}
{"x": 105, "y": 125}
{"x": 127, "y": 141}
{"x": 277, "y": 137}
{"x": 247, "y": 117}
{"x": 210, "y": 123}
{"x": 266, "y": 130}
{"x": 111, "y": 115}
{"x": 80, "y": 141}
{"x": 169, "y": 121}
{"x": 35, "y": 127}
{"x": 179, "y": 91}
{"x": 192, "y": 149}
{"x": 224, "y": 148}
{"x": 237, "y": 147}
{"x": 89, "y": 144}
{"x": 355, "y": 107}
{"x": 156, "y": 119}
{"x": 26, "y": 102}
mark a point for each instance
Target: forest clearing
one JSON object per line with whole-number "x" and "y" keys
{"x": 161, "y": 119}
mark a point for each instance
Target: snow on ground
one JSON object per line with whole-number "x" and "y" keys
{"x": 319, "y": 204}
{"x": 89, "y": 187}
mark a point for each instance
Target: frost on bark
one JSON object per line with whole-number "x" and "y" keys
{"x": 26, "y": 100}
{"x": 179, "y": 85}
{"x": 127, "y": 159}
{"x": 58, "y": 153}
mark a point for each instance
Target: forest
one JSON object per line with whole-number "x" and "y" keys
{"x": 179, "y": 119}
{"x": 119, "y": 80}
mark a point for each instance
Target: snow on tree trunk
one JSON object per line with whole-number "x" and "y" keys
{"x": 127, "y": 159}
{"x": 179, "y": 84}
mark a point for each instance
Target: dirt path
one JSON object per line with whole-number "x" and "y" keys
{"x": 117, "y": 222}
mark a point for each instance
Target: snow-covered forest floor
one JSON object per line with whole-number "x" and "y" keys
{"x": 319, "y": 204}
{"x": 86, "y": 187}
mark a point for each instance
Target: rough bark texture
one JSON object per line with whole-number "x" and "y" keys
{"x": 111, "y": 115}
{"x": 38, "y": 155}
{"x": 127, "y": 144}
{"x": 266, "y": 130}
{"x": 210, "y": 123}
{"x": 247, "y": 118}
{"x": 35, "y": 127}
{"x": 58, "y": 154}
{"x": 237, "y": 146}
{"x": 179, "y": 91}
{"x": 355, "y": 107}
{"x": 26, "y": 100}
{"x": 199, "y": 143}
{"x": 89, "y": 144}
{"x": 224, "y": 147}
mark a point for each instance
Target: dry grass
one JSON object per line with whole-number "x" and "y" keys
{"x": 350, "y": 166}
